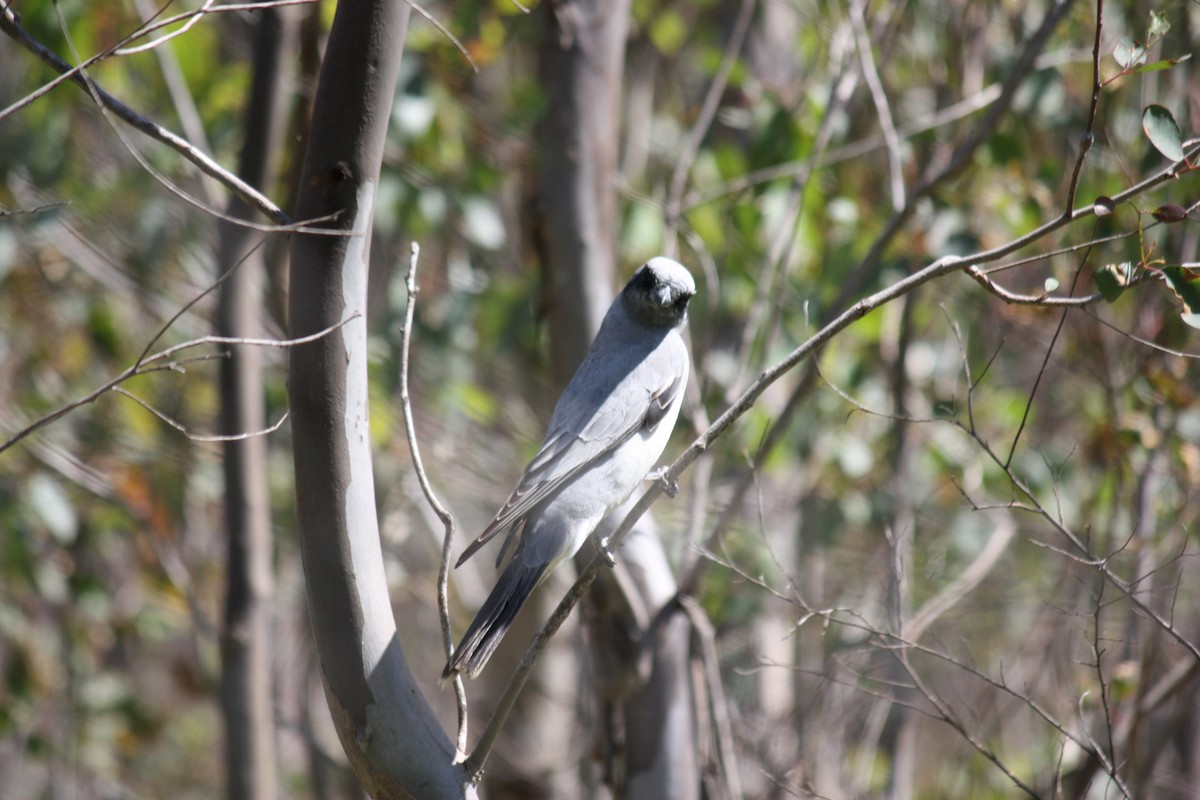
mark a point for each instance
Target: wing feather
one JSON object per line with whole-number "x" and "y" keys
{"x": 576, "y": 443}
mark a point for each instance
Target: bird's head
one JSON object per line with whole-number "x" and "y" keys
{"x": 658, "y": 293}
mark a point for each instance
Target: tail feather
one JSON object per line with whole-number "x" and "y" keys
{"x": 495, "y": 617}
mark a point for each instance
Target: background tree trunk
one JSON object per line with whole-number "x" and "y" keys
{"x": 246, "y": 698}
{"x": 581, "y": 66}
{"x": 643, "y": 696}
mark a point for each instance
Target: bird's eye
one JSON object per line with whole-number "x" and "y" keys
{"x": 646, "y": 279}
{"x": 682, "y": 302}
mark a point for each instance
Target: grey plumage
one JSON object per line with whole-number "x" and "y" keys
{"x": 609, "y": 428}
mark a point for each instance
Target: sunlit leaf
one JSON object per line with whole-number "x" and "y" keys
{"x": 1158, "y": 25}
{"x": 1162, "y": 132}
{"x": 1182, "y": 283}
{"x": 1113, "y": 279}
{"x": 1128, "y": 53}
{"x": 1051, "y": 285}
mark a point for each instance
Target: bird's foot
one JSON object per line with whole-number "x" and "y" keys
{"x": 670, "y": 488}
{"x": 605, "y": 554}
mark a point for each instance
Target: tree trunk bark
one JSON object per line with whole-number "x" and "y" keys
{"x": 581, "y": 65}
{"x": 391, "y": 736}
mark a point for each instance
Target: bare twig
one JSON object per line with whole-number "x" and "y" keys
{"x": 887, "y": 126}
{"x": 765, "y": 304}
{"x": 1062, "y": 320}
{"x": 182, "y": 99}
{"x": 40, "y": 209}
{"x": 199, "y": 437}
{"x": 156, "y": 362}
{"x": 10, "y": 26}
{"x": 153, "y": 44}
{"x": 189, "y": 18}
{"x": 687, "y": 157}
{"x": 448, "y": 522}
{"x": 442, "y": 29}
{"x": 1089, "y": 137}
{"x": 705, "y": 638}
{"x": 947, "y": 715}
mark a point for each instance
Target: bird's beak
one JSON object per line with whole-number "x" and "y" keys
{"x": 664, "y": 296}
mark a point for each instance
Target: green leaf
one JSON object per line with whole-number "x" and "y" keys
{"x": 1182, "y": 283}
{"x": 668, "y": 32}
{"x": 1051, "y": 285}
{"x": 1162, "y": 132}
{"x": 1113, "y": 279}
{"x": 1158, "y": 25}
{"x": 1128, "y": 53}
{"x": 1166, "y": 63}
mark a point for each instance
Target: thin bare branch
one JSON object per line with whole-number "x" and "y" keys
{"x": 199, "y": 437}
{"x": 442, "y": 29}
{"x": 887, "y": 126}
{"x": 152, "y": 363}
{"x": 10, "y": 26}
{"x": 448, "y": 521}
{"x": 708, "y": 110}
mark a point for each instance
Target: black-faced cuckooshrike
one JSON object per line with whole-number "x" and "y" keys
{"x": 609, "y": 428}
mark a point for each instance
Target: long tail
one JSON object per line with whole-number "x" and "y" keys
{"x": 513, "y": 588}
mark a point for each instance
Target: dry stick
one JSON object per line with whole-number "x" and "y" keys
{"x": 1083, "y": 553}
{"x": 96, "y": 95}
{"x": 136, "y": 367}
{"x": 784, "y": 238}
{"x": 981, "y": 276}
{"x": 181, "y": 97}
{"x": 945, "y": 714}
{"x": 200, "y": 437}
{"x": 858, "y": 24}
{"x": 435, "y": 22}
{"x": 937, "y": 269}
{"x": 1110, "y": 751}
{"x": 705, "y": 636}
{"x": 146, "y": 364}
{"x": 8, "y": 16}
{"x": 153, "y": 44}
{"x": 189, "y": 18}
{"x": 960, "y": 157}
{"x": 145, "y": 29}
{"x": 250, "y": 195}
{"x": 410, "y": 430}
{"x": 1089, "y": 137}
{"x": 687, "y": 158}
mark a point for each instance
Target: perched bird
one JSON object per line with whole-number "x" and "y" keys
{"x": 609, "y": 428}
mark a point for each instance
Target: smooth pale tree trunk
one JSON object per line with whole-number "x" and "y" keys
{"x": 581, "y": 67}
{"x": 642, "y": 677}
{"x": 393, "y": 740}
{"x": 246, "y": 638}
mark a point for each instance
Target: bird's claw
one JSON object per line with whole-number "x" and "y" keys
{"x": 670, "y": 488}
{"x": 605, "y": 554}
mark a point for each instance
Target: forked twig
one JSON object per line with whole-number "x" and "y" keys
{"x": 410, "y": 431}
